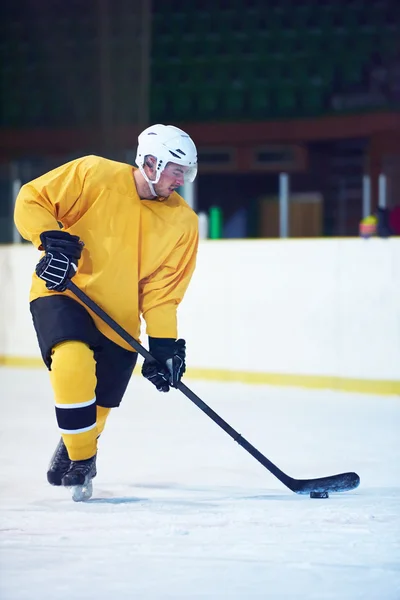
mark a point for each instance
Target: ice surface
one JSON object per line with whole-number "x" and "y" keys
{"x": 181, "y": 511}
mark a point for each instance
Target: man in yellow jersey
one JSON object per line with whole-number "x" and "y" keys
{"x": 130, "y": 242}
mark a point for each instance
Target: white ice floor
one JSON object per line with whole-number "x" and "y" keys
{"x": 181, "y": 511}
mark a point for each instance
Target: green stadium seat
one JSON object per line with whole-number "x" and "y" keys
{"x": 260, "y": 101}
{"x": 311, "y": 101}
{"x": 285, "y": 103}
{"x": 181, "y": 103}
{"x": 207, "y": 102}
{"x": 234, "y": 104}
{"x": 231, "y": 58}
{"x": 158, "y": 102}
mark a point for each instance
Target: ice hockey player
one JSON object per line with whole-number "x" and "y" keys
{"x": 130, "y": 241}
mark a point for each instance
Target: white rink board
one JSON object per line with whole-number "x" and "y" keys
{"x": 321, "y": 307}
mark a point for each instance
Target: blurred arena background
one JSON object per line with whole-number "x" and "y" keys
{"x": 294, "y": 104}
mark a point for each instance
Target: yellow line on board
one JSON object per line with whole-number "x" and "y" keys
{"x": 343, "y": 384}
{"x": 20, "y": 361}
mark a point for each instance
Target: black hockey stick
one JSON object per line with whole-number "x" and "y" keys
{"x": 334, "y": 483}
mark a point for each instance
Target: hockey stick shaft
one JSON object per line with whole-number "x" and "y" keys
{"x": 84, "y": 298}
{"x": 299, "y": 486}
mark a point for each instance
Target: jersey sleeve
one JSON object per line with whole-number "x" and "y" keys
{"x": 162, "y": 292}
{"x": 55, "y": 197}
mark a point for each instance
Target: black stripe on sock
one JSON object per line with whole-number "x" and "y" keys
{"x": 76, "y": 418}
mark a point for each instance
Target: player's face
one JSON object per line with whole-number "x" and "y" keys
{"x": 171, "y": 178}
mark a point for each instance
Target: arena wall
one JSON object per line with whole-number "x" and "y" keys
{"x": 316, "y": 313}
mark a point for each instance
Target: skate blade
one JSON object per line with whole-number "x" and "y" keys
{"x": 81, "y": 493}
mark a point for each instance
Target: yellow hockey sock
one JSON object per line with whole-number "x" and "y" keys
{"x": 73, "y": 378}
{"x": 102, "y": 414}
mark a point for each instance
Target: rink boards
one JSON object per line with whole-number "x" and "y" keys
{"x": 319, "y": 313}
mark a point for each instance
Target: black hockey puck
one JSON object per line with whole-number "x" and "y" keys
{"x": 319, "y": 495}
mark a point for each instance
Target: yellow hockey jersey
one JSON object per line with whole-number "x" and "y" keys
{"x": 139, "y": 255}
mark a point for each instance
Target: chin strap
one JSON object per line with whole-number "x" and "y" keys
{"x": 150, "y": 183}
{"x": 152, "y": 190}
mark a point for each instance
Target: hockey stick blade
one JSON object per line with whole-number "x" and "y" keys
{"x": 335, "y": 483}
{"x": 343, "y": 482}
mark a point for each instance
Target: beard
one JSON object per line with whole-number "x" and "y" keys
{"x": 162, "y": 190}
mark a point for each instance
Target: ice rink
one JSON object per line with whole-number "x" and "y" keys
{"x": 181, "y": 511}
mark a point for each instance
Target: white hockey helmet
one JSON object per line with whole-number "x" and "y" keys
{"x": 167, "y": 144}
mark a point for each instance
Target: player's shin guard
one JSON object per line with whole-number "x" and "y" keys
{"x": 73, "y": 378}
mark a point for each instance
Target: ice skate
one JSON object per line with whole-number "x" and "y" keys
{"x": 59, "y": 464}
{"x": 79, "y": 478}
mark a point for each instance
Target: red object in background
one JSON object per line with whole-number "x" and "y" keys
{"x": 366, "y": 230}
{"x": 394, "y": 220}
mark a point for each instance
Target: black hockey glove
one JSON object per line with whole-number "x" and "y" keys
{"x": 59, "y": 264}
{"x": 169, "y": 365}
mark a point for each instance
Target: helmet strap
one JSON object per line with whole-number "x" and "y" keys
{"x": 149, "y": 182}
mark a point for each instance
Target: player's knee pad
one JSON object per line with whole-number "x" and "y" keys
{"x": 73, "y": 373}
